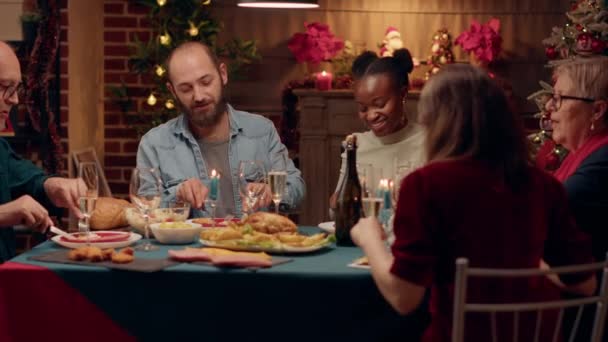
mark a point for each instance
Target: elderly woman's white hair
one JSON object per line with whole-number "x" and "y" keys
{"x": 589, "y": 76}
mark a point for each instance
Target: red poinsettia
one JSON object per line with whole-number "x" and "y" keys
{"x": 315, "y": 45}
{"x": 483, "y": 41}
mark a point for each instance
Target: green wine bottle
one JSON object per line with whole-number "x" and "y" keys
{"x": 348, "y": 204}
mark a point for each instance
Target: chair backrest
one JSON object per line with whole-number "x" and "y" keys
{"x": 462, "y": 306}
{"x": 89, "y": 155}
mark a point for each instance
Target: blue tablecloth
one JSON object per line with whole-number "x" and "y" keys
{"x": 316, "y": 297}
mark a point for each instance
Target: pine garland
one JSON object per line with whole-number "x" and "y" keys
{"x": 39, "y": 68}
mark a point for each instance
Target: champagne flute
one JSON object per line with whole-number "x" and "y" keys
{"x": 252, "y": 183}
{"x": 277, "y": 179}
{"x": 144, "y": 192}
{"x": 373, "y": 197}
{"x": 87, "y": 172}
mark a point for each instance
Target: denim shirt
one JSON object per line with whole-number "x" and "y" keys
{"x": 172, "y": 149}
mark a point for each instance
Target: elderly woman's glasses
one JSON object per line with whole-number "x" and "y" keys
{"x": 10, "y": 91}
{"x": 557, "y": 100}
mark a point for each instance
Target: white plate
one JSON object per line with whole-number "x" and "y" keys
{"x": 281, "y": 249}
{"x": 117, "y": 244}
{"x": 329, "y": 227}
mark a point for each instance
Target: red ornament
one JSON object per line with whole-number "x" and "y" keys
{"x": 583, "y": 43}
{"x": 597, "y": 46}
{"x": 551, "y": 52}
{"x": 579, "y": 27}
{"x": 552, "y": 161}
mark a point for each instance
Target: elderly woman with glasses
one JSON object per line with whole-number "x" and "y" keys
{"x": 580, "y": 123}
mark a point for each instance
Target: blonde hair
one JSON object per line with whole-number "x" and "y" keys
{"x": 467, "y": 115}
{"x": 589, "y": 75}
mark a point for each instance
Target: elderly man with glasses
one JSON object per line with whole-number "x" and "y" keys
{"x": 26, "y": 193}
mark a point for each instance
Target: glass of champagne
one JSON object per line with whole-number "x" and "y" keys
{"x": 87, "y": 172}
{"x": 144, "y": 192}
{"x": 252, "y": 183}
{"x": 373, "y": 198}
{"x": 277, "y": 179}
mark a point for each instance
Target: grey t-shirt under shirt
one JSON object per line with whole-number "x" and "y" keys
{"x": 216, "y": 157}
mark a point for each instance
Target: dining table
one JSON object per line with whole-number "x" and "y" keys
{"x": 314, "y": 297}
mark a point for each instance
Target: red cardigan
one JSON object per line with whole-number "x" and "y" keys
{"x": 460, "y": 208}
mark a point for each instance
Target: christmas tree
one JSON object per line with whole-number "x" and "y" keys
{"x": 174, "y": 22}
{"x": 441, "y": 52}
{"x": 585, "y": 34}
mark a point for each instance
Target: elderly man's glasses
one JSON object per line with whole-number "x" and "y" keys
{"x": 8, "y": 92}
{"x": 557, "y": 100}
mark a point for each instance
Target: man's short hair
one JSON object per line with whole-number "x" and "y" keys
{"x": 190, "y": 45}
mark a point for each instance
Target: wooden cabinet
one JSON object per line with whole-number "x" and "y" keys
{"x": 326, "y": 117}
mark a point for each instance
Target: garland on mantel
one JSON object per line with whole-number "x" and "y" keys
{"x": 291, "y": 116}
{"x": 39, "y": 67}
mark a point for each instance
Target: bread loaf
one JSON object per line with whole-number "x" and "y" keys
{"x": 109, "y": 213}
{"x": 271, "y": 223}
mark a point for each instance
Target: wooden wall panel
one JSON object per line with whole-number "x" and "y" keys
{"x": 525, "y": 23}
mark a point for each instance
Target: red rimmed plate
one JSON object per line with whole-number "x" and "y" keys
{"x": 219, "y": 222}
{"x": 97, "y": 237}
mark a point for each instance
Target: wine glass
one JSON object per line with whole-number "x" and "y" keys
{"x": 277, "y": 179}
{"x": 252, "y": 183}
{"x": 87, "y": 172}
{"x": 372, "y": 199}
{"x": 144, "y": 192}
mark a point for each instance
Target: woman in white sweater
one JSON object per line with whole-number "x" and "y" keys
{"x": 380, "y": 88}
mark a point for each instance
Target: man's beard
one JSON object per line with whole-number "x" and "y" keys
{"x": 205, "y": 119}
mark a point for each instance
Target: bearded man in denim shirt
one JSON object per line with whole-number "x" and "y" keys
{"x": 210, "y": 134}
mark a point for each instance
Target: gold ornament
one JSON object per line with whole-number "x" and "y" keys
{"x": 151, "y": 99}
{"x": 159, "y": 70}
{"x": 164, "y": 39}
{"x": 206, "y": 2}
{"x": 169, "y": 104}
{"x": 161, "y": 3}
{"x": 193, "y": 30}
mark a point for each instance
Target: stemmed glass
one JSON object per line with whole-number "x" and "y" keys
{"x": 277, "y": 179}
{"x": 144, "y": 192}
{"x": 373, "y": 199}
{"x": 252, "y": 183}
{"x": 87, "y": 172}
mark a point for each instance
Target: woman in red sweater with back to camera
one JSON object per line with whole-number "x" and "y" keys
{"x": 479, "y": 197}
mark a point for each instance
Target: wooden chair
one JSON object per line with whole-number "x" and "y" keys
{"x": 89, "y": 155}
{"x": 462, "y": 306}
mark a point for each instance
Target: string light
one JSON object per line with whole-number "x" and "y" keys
{"x": 169, "y": 104}
{"x": 151, "y": 99}
{"x": 164, "y": 39}
{"x": 193, "y": 31}
{"x": 159, "y": 70}
{"x": 161, "y": 3}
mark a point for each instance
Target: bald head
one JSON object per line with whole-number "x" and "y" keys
{"x": 189, "y": 50}
{"x": 10, "y": 78}
{"x": 9, "y": 64}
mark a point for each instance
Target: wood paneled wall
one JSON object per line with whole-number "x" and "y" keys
{"x": 525, "y": 23}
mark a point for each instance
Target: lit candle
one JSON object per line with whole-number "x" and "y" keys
{"x": 384, "y": 193}
{"x": 323, "y": 80}
{"x": 213, "y": 187}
